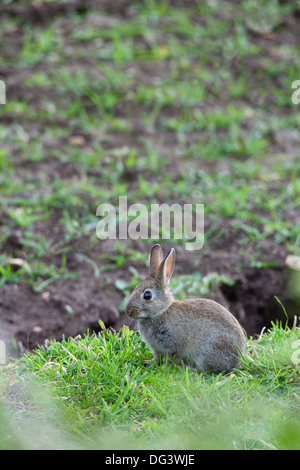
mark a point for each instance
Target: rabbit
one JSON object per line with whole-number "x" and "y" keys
{"x": 196, "y": 332}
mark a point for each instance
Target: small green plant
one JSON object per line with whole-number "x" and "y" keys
{"x": 127, "y": 287}
{"x": 8, "y": 275}
{"x": 196, "y": 285}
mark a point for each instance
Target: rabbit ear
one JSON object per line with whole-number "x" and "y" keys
{"x": 156, "y": 257}
{"x": 166, "y": 268}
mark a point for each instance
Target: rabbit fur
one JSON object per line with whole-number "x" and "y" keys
{"x": 197, "y": 332}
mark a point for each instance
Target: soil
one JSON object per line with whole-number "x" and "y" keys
{"x": 68, "y": 307}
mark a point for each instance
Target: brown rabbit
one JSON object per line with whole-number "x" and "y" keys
{"x": 199, "y": 332}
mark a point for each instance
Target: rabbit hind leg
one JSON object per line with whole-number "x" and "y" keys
{"x": 220, "y": 361}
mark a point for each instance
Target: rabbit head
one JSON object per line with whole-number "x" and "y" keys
{"x": 153, "y": 296}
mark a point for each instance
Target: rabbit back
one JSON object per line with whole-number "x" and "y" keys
{"x": 199, "y": 332}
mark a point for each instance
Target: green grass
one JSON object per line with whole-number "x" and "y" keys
{"x": 197, "y": 79}
{"x": 104, "y": 391}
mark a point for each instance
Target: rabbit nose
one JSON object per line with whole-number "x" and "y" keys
{"x": 132, "y": 311}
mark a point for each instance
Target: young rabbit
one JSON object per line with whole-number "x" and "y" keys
{"x": 199, "y": 332}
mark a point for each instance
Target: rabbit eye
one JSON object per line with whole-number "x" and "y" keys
{"x": 147, "y": 295}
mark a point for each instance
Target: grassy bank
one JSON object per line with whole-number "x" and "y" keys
{"x": 105, "y": 392}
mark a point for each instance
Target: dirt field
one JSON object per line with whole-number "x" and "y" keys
{"x": 67, "y": 149}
